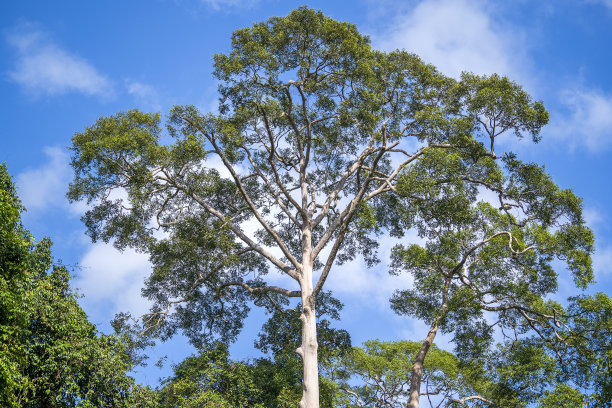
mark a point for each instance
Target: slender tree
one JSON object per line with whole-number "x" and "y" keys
{"x": 487, "y": 257}
{"x": 314, "y": 127}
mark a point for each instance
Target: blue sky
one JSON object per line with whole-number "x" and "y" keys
{"x": 64, "y": 64}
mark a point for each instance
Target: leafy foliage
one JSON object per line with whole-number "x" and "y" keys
{"x": 50, "y": 354}
{"x": 384, "y": 369}
{"x": 323, "y": 143}
{"x": 583, "y": 347}
{"x": 483, "y": 260}
{"x": 210, "y": 378}
{"x": 280, "y": 335}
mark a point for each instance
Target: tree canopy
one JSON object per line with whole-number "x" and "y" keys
{"x": 479, "y": 258}
{"x": 319, "y": 144}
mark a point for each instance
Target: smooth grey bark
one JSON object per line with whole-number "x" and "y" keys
{"x": 417, "y": 368}
{"x": 309, "y": 347}
{"x": 308, "y": 352}
{"x": 419, "y": 360}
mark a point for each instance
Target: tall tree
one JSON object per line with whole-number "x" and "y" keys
{"x": 314, "y": 127}
{"x": 50, "y": 354}
{"x": 487, "y": 257}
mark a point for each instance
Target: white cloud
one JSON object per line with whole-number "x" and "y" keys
{"x": 592, "y": 217}
{"x": 587, "y": 122}
{"x": 42, "y": 67}
{"x": 456, "y": 36}
{"x": 602, "y": 261}
{"x": 374, "y": 286}
{"x": 43, "y": 188}
{"x": 46, "y": 186}
{"x": 108, "y": 276}
{"x": 145, "y": 95}
{"x": 229, "y": 4}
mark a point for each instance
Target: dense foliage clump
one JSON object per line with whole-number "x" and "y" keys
{"x": 50, "y": 354}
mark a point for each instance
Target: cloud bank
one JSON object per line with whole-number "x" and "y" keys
{"x": 587, "y": 119}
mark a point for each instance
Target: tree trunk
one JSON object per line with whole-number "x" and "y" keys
{"x": 308, "y": 349}
{"x": 310, "y": 396}
{"x": 308, "y": 352}
{"x": 419, "y": 360}
{"x": 417, "y": 368}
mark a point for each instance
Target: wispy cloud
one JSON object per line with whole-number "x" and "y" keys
{"x": 197, "y": 6}
{"x": 145, "y": 95}
{"x": 44, "y": 187}
{"x": 44, "y": 68}
{"x": 229, "y": 4}
{"x": 592, "y": 217}
{"x": 606, "y": 3}
{"x": 586, "y": 121}
{"x": 602, "y": 261}
{"x": 456, "y": 36}
{"x": 598, "y": 220}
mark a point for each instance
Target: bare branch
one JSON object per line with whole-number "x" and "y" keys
{"x": 274, "y": 193}
{"x": 463, "y": 401}
{"x": 341, "y": 183}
